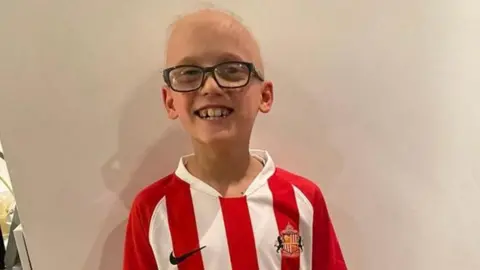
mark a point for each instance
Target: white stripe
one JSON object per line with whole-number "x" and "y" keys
{"x": 268, "y": 170}
{"x": 260, "y": 207}
{"x": 211, "y": 231}
{"x": 159, "y": 236}
{"x": 305, "y": 209}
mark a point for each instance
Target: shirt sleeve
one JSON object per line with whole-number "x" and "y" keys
{"x": 138, "y": 254}
{"x": 327, "y": 254}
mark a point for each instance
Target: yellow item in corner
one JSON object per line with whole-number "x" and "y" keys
{"x": 6, "y": 200}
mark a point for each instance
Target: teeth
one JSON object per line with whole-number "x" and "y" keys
{"x": 213, "y": 112}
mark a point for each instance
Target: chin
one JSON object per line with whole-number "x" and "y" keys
{"x": 217, "y": 138}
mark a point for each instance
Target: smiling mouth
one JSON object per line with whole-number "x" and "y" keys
{"x": 213, "y": 113}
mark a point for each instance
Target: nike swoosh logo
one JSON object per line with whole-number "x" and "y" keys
{"x": 177, "y": 260}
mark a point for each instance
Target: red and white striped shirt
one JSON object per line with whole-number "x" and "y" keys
{"x": 281, "y": 222}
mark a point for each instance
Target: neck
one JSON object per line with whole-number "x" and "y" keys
{"x": 221, "y": 165}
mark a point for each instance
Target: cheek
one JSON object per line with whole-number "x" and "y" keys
{"x": 183, "y": 104}
{"x": 249, "y": 104}
{"x": 252, "y": 99}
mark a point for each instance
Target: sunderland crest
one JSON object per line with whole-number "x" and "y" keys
{"x": 289, "y": 242}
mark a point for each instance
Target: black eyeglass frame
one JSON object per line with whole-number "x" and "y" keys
{"x": 252, "y": 70}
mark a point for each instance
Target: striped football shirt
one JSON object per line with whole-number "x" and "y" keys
{"x": 281, "y": 222}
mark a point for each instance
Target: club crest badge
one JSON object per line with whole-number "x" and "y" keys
{"x": 289, "y": 242}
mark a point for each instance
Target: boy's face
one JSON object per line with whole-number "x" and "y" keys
{"x": 207, "y": 42}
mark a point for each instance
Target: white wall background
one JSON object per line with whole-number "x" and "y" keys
{"x": 377, "y": 101}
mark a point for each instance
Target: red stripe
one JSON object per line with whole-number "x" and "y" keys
{"x": 238, "y": 227}
{"x": 286, "y": 213}
{"x": 183, "y": 227}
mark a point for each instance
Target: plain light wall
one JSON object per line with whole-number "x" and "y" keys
{"x": 376, "y": 101}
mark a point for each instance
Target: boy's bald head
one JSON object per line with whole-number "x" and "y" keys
{"x": 211, "y": 31}
{"x": 215, "y": 111}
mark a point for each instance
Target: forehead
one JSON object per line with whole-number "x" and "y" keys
{"x": 208, "y": 40}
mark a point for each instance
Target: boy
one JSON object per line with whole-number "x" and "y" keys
{"x": 225, "y": 207}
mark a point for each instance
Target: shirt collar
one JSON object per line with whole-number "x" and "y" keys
{"x": 260, "y": 180}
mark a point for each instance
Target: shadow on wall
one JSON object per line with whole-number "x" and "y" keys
{"x": 136, "y": 165}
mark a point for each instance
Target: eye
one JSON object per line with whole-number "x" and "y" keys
{"x": 187, "y": 74}
{"x": 190, "y": 72}
{"x": 232, "y": 69}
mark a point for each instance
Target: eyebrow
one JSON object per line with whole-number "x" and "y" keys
{"x": 223, "y": 57}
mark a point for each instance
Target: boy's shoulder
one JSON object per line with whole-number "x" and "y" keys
{"x": 308, "y": 187}
{"x": 152, "y": 194}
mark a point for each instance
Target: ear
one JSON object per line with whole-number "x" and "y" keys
{"x": 267, "y": 97}
{"x": 168, "y": 102}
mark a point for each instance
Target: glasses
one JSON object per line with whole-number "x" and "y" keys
{"x": 228, "y": 75}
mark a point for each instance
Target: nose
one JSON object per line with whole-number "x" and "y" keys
{"x": 210, "y": 86}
